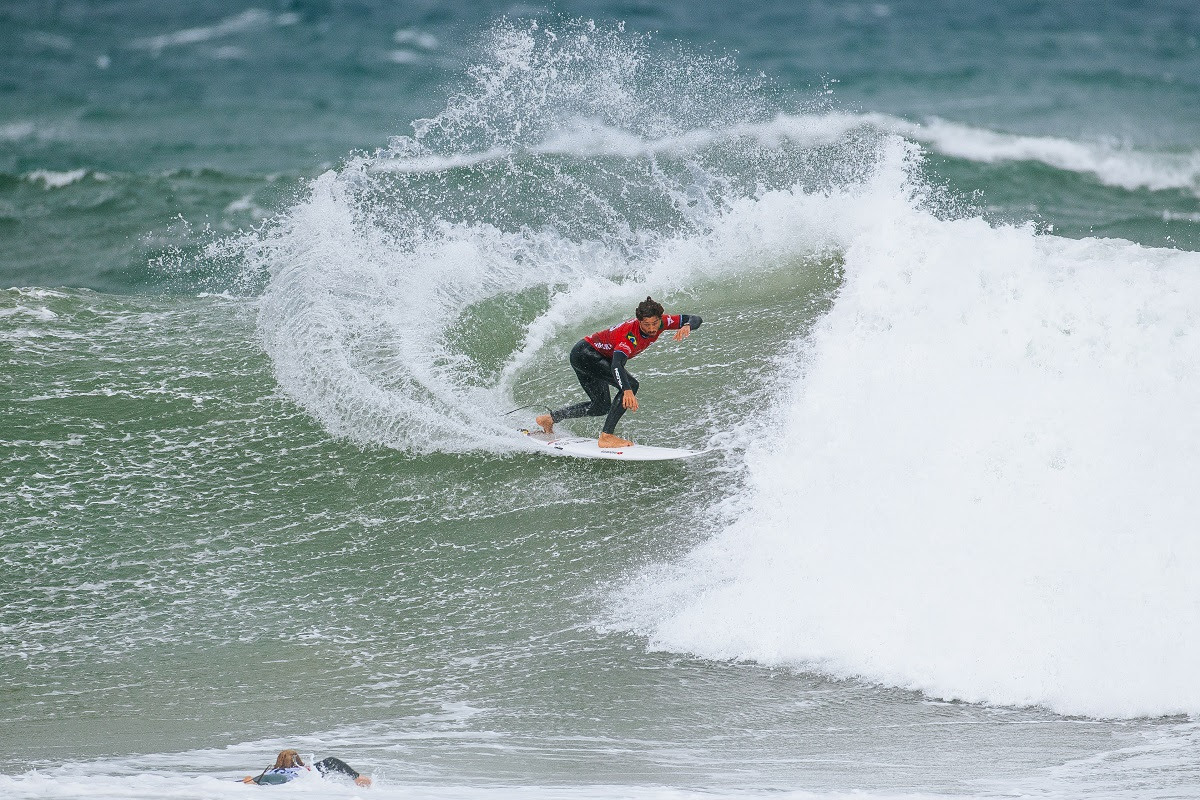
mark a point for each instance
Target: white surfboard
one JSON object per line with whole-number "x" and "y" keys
{"x": 581, "y": 447}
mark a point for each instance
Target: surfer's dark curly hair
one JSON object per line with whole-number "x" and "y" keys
{"x": 649, "y": 308}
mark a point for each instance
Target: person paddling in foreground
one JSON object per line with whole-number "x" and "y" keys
{"x": 599, "y": 362}
{"x": 289, "y": 766}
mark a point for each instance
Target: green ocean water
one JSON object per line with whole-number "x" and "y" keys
{"x": 192, "y": 560}
{"x": 182, "y": 520}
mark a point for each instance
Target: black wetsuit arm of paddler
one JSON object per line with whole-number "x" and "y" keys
{"x": 690, "y": 319}
{"x": 619, "y": 374}
{"x": 331, "y": 764}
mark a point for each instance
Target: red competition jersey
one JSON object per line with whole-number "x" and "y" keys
{"x": 628, "y": 337}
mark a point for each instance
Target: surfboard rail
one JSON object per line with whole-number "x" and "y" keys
{"x": 583, "y": 447}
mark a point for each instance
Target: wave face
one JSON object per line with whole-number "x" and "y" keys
{"x": 541, "y": 195}
{"x": 977, "y": 485}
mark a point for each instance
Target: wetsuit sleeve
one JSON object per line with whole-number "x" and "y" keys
{"x": 618, "y": 370}
{"x": 331, "y": 764}
{"x": 673, "y": 322}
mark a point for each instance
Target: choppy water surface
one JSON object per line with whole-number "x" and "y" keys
{"x": 280, "y": 276}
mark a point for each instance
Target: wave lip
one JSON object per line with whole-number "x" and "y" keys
{"x": 57, "y": 180}
{"x": 583, "y": 137}
{"x": 1112, "y": 165}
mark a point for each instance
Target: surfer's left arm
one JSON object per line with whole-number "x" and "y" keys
{"x": 685, "y": 325}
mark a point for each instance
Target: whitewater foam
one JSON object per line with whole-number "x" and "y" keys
{"x": 355, "y": 322}
{"x": 979, "y": 484}
{"x": 1111, "y": 164}
{"x": 57, "y": 180}
{"x": 189, "y": 787}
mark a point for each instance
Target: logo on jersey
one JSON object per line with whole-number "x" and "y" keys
{"x": 632, "y": 338}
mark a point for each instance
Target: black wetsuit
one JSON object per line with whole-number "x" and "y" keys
{"x": 331, "y": 764}
{"x": 596, "y": 373}
{"x": 325, "y": 766}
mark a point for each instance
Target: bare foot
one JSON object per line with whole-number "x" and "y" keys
{"x": 546, "y": 421}
{"x": 607, "y": 440}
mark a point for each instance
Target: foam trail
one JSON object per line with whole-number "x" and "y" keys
{"x": 371, "y": 275}
{"x": 981, "y": 484}
{"x": 355, "y": 323}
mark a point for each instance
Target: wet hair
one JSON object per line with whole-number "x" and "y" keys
{"x": 288, "y": 758}
{"x": 649, "y": 308}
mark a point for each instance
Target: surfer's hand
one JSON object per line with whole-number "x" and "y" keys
{"x": 682, "y": 333}
{"x": 629, "y": 400}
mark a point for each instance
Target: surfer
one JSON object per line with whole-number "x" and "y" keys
{"x": 289, "y": 766}
{"x": 599, "y": 362}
